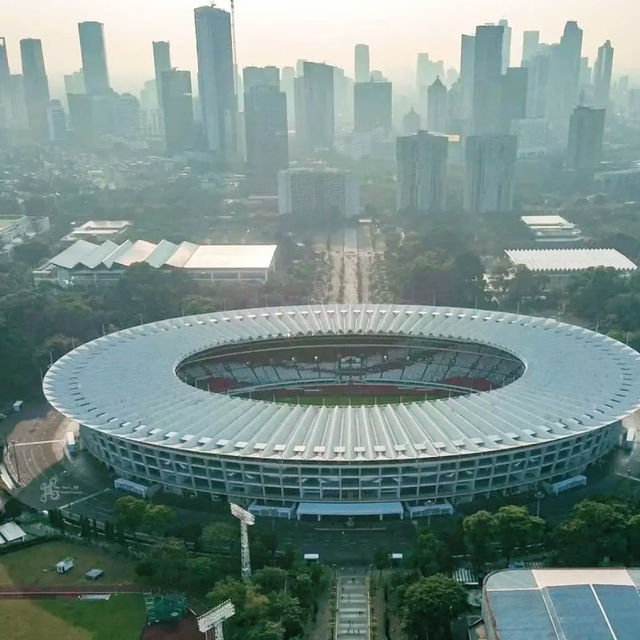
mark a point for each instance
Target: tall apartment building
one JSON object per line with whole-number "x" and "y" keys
{"x": 372, "y": 106}
{"x": 422, "y": 172}
{"x": 361, "y": 63}
{"x": 489, "y": 172}
{"x": 586, "y": 130}
{"x": 315, "y": 109}
{"x": 437, "y": 107}
{"x": 319, "y": 192}
{"x": 266, "y": 136}
{"x": 602, "y": 76}
{"x": 177, "y": 108}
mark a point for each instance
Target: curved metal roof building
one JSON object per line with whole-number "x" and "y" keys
{"x": 125, "y": 390}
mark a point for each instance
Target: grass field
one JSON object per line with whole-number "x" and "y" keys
{"x": 36, "y": 566}
{"x": 122, "y": 617}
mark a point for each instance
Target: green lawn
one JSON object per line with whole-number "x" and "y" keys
{"x": 36, "y": 566}
{"x": 122, "y": 617}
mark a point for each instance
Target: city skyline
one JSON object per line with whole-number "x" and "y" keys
{"x": 128, "y": 34}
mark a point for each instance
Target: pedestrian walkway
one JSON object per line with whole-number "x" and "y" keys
{"x": 352, "y": 611}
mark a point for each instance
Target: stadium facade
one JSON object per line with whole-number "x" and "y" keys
{"x": 430, "y": 406}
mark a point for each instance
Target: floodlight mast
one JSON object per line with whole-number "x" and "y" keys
{"x": 210, "y": 623}
{"x": 246, "y": 519}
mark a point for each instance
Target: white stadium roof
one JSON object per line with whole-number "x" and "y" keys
{"x": 187, "y": 255}
{"x": 125, "y": 384}
{"x": 569, "y": 259}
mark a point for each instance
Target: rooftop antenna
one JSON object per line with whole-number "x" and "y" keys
{"x": 212, "y": 620}
{"x": 246, "y": 519}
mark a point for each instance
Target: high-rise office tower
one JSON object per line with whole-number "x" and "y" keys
{"x": 585, "y": 74}
{"x": 564, "y": 87}
{"x": 216, "y": 81}
{"x": 538, "y": 72}
{"x": 36, "y": 86}
{"x": 319, "y": 192}
{"x": 530, "y": 45}
{"x": 266, "y": 136}
{"x": 56, "y": 122}
{"x": 506, "y": 45}
{"x": 514, "y": 96}
{"x": 177, "y": 109}
{"x": 128, "y": 122}
{"x": 161, "y": 63}
{"x": 602, "y": 75}
{"x": 372, "y": 106}
{"x": 287, "y": 82}
{"x": 361, "y": 63}
{"x": 18, "y": 102}
{"x": 411, "y": 123}
{"x": 586, "y": 129}
{"x": 437, "y": 110}
{"x": 343, "y": 113}
{"x": 467, "y": 61}
{"x": 489, "y": 173}
{"x": 94, "y": 57}
{"x": 314, "y": 103}
{"x": 260, "y": 77}
{"x": 427, "y": 71}
{"x": 422, "y": 172}
{"x": 6, "y": 114}
{"x": 74, "y": 82}
{"x": 487, "y": 79}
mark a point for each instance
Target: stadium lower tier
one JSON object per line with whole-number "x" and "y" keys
{"x": 415, "y": 482}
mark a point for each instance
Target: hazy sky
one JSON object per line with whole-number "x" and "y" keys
{"x": 281, "y": 31}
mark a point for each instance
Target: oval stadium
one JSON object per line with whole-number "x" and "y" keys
{"x": 348, "y": 409}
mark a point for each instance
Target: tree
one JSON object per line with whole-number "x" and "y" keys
{"x": 129, "y": 512}
{"x": 479, "y": 532}
{"x": 430, "y": 554}
{"x": 598, "y": 529}
{"x": 288, "y": 611}
{"x": 270, "y": 579}
{"x": 430, "y": 605}
{"x": 222, "y": 536}
{"x": 158, "y": 519}
{"x": 516, "y": 528}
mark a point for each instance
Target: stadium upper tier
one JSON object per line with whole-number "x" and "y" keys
{"x": 571, "y": 381}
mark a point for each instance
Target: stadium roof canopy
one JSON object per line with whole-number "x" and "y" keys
{"x": 125, "y": 384}
{"x": 84, "y": 254}
{"x": 563, "y": 260}
{"x": 559, "y": 604}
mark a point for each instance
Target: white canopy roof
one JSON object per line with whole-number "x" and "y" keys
{"x": 570, "y": 259}
{"x": 125, "y": 384}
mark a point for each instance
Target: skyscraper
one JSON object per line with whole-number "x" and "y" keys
{"x": 266, "y": 136}
{"x": 467, "y": 61}
{"x": 372, "y": 106}
{"x": 411, "y": 123}
{"x": 489, "y": 173}
{"x": 177, "y": 109}
{"x": 506, "y": 45}
{"x": 287, "y": 82}
{"x": 422, "y": 172}
{"x": 530, "y": 45}
{"x": 36, "y": 86}
{"x": 94, "y": 57}
{"x": 361, "y": 63}
{"x": 260, "y": 77}
{"x": 161, "y": 63}
{"x": 314, "y": 103}
{"x": 586, "y": 129}
{"x": 538, "y": 72}
{"x": 602, "y": 75}
{"x": 514, "y": 96}
{"x": 6, "y": 114}
{"x": 437, "y": 110}
{"x": 564, "y": 76}
{"x": 216, "y": 81}
{"x": 56, "y": 121}
{"x": 487, "y": 70}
